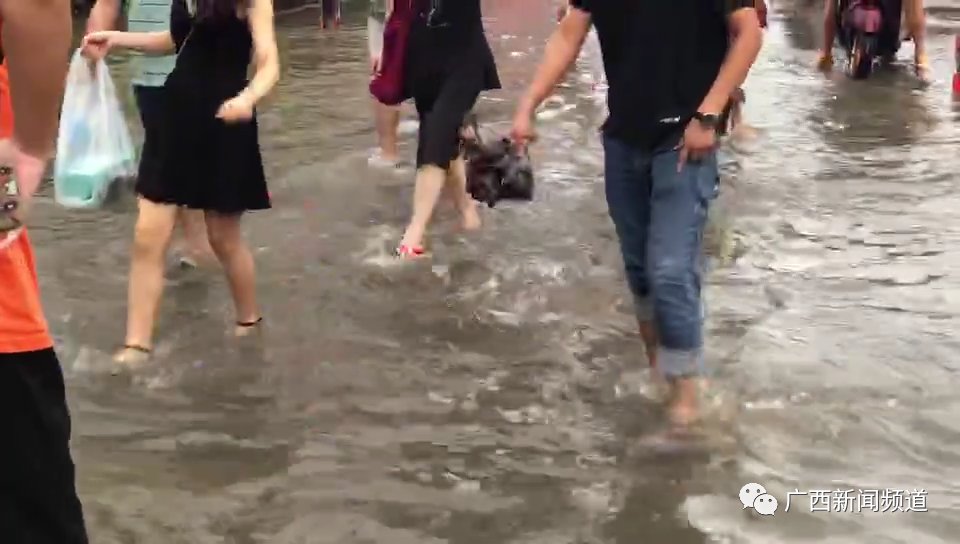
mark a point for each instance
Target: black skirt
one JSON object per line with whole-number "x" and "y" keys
{"x": 446, "y": 70}
{"x": 197, "y": 161}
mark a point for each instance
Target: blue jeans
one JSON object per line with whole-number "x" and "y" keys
{"x": 660, "y": 215}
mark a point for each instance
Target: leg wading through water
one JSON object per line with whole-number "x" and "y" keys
{"x": 449, "y": 63}
{"x": 660, "y": 215}
{"x": 196, "y": 249}
{"x": 387, "y": 118}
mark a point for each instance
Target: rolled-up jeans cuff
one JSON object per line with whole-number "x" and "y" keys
{"x": 676, "y": 363}
{"x": 643, "y": 306}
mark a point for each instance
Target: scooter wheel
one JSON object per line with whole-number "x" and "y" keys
{"x": 861, "y": 61}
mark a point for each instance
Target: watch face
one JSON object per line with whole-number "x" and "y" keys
{"x": 708, "y": 119}
{"x": 8, "y": 200}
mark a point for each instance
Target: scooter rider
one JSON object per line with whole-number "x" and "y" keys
{"x": 915, "y": 19}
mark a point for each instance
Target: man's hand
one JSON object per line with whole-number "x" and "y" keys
{"x": 697, "y": 142}
{"x": 523, "y": 132}
{"x": 562, "y": 50}
{"x": 761, "y": 7}
{"x": 26, "y": 173}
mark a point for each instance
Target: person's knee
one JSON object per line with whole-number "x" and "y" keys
{"x": 150, "y": 238}
{"x": 224, "y": 236}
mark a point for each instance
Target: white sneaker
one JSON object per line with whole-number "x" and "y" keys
{"x": 377, "y": 160}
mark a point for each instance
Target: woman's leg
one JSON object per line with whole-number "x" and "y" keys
{"x": 237, "y": 261}
{"x": 825, "y": 59}
{"x": 197, "y": 248}
{"x": 916, "y": 19}
{"x": 150, "y": 241}
{"x": 441, "y": 122}
{"x": 430, "y": 183}
{"x": 457, "y": 189}
{"x": 388, "y": 123}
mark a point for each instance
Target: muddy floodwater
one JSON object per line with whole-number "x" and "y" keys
{"x": 495, "y": 393}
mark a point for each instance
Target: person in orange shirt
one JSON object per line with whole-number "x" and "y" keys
{"x": 38, "y": 497}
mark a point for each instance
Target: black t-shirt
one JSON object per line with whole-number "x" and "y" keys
{"x": 661, "y": 58}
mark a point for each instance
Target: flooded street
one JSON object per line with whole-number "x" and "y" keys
{"x": 495, "y": 393}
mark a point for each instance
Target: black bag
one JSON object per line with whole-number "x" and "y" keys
{"x": 496, "y": 171}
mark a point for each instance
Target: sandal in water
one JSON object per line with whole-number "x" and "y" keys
{"x": 130, "y": 354}
{"x": 410, "y": 252}
{"x": 244, "y": 328}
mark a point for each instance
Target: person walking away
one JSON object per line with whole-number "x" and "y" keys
{"x": 149, "y": 72}
{"x": 330, "y": 13}
{"x": 671, "y": 68}
{"x": 387, "y": 117}
{"x": 209, "y": 153}
{"x": 449, "y": 63}
{"x": 38, "y": 496}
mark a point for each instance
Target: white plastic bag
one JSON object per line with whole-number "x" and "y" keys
{"x": 94, "y": 149}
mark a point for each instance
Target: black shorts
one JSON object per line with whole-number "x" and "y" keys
{"x": 38, "y": 496}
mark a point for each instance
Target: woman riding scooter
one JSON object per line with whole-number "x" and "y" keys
{"x": 890, "y": 37}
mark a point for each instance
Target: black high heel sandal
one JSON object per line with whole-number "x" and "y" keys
{"x": 250, "y": 324}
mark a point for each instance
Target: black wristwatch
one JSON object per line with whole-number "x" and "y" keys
{"x": 708, "y": 120}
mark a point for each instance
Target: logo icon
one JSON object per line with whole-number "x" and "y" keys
{"x": 755, "y": 496}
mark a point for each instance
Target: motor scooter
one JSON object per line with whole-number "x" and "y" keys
{"x": 868, "y": 31}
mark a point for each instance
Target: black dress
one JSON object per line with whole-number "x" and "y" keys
{"x": 199, "y": 161}
{"x": 449, "y": 63}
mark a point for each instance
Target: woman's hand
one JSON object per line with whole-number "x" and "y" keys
{"x": 97, "y": 45}
{"x": 375, "y": 66}
{"x": 237, "y": 109}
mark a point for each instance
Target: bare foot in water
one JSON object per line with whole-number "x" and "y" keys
{"x": 470, "y": 219}
{"x": 131, "y": 355}
{"x": 683, "y": 410}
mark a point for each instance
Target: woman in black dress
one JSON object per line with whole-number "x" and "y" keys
{"x": 449, "y": 63}
{"x": 207, "y": 155}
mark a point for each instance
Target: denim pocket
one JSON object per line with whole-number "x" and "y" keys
{"x": 708, "y": 179}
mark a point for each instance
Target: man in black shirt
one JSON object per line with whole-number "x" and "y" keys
{"x": 671, "y": 66}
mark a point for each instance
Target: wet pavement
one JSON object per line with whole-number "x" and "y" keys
{"x": 495, "y": 394}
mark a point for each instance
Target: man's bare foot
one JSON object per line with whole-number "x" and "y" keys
{"x": 684, "y": 406}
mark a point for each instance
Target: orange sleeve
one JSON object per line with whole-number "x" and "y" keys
{"x": 6, "y": 108}
{"x": 22, "y": 323}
